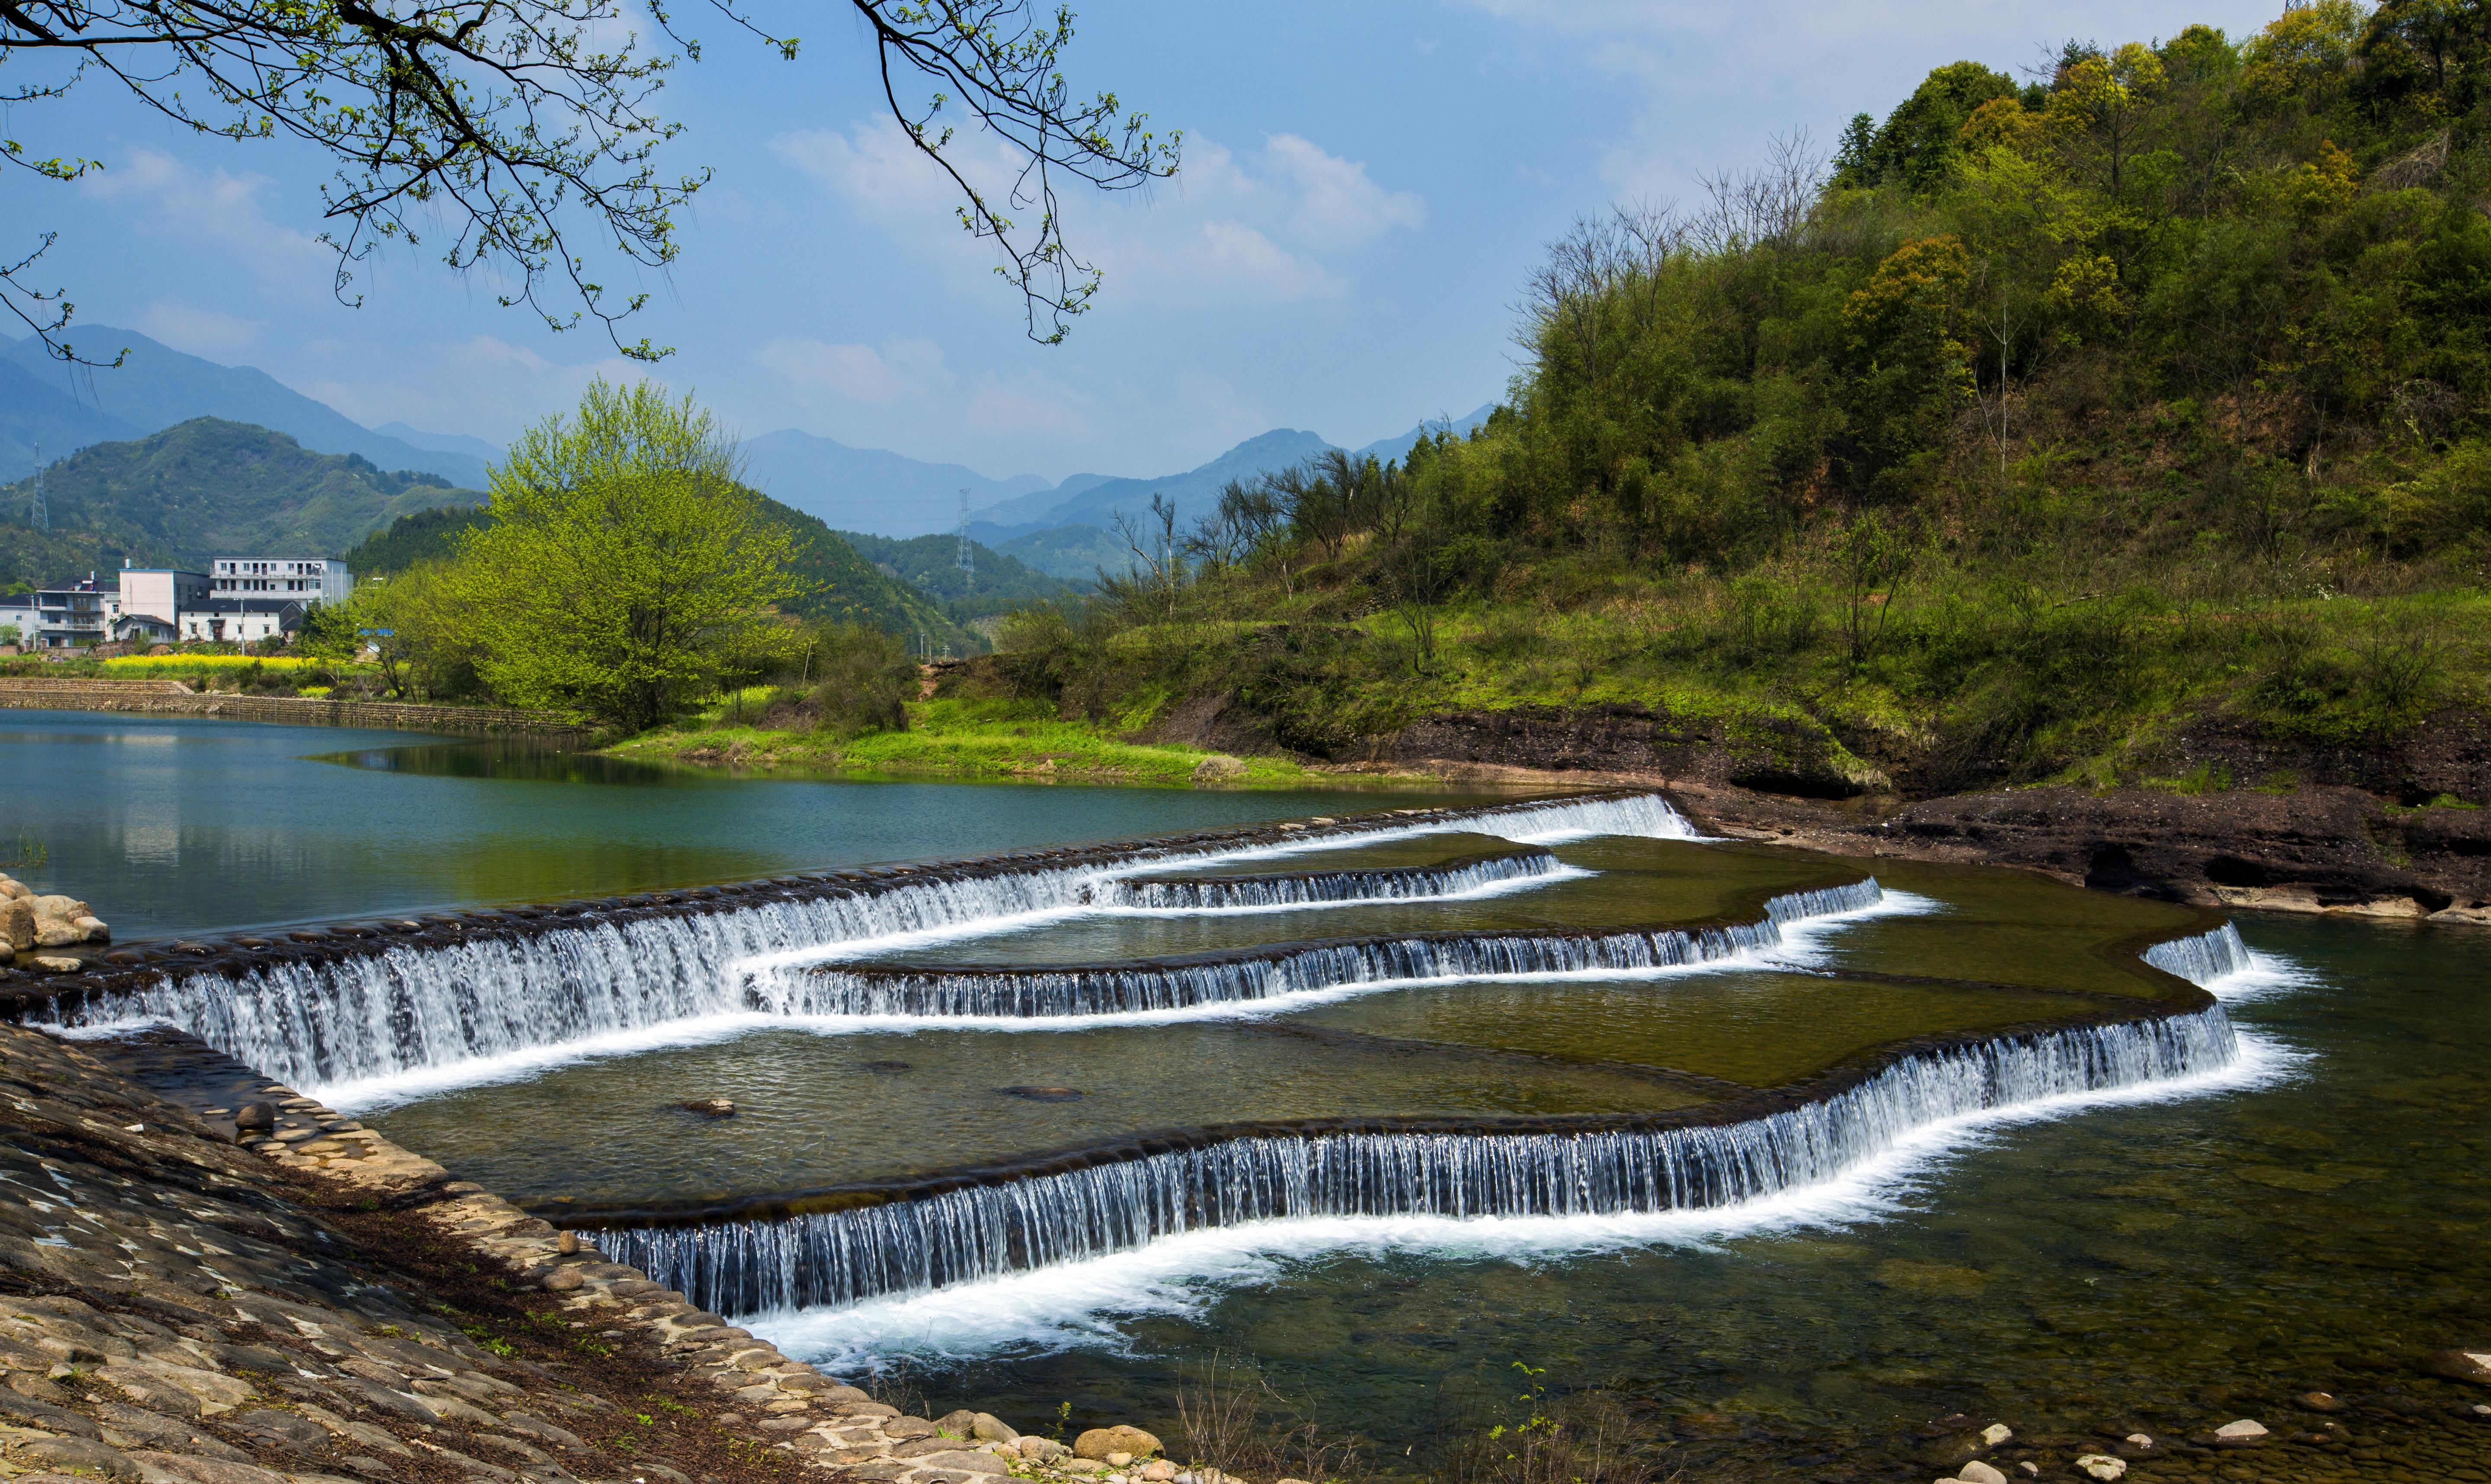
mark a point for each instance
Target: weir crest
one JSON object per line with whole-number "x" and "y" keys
{"x": 374, "y": 1010}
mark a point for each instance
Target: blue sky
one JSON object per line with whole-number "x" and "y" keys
{"x": 1367, "y": 187}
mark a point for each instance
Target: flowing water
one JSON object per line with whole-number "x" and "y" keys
{"x": 1793, "y": 1155}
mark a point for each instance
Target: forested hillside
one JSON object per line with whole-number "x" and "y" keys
{"x": 202, "y": 489}
{"x": 2042, "y": 426}
{"x": 931, "y": 564}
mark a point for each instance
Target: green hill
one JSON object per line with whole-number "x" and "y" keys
{"x": 931, "y": 564}
{"x": 2052, "y": 430}
{"x": 202, "y": 489}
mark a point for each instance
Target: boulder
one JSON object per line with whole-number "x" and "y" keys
{"x": 17, "y": 922}
{"x": 2243, "y": 1431}
{"x": 2101, "y": 1465}
{"x": 1099, "y": 1442}
{"x": 56, "y": 933}
{"x": 1978, "y": 1472}
{"x": 962, "y": 1423}
{"x": 54, "y": 963}
{"x": 990, "y": 1428}
{"x": 94, "y": 927}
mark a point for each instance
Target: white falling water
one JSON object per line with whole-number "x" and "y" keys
{"x": 1317, "y": 887}
{"x": 434, "y": 1005}
{"x": 1264, "y": 973}
{"x": 2206, "y": 959}
{"x": 962, "y": 1236}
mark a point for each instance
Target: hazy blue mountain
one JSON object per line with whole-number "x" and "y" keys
{"x": 444, "y": 442}
{"x": 35, "y": 411}
{"x": 1097, "y": 502}
{"x": 870, "y": 489}
{"x": 159, "y": 386}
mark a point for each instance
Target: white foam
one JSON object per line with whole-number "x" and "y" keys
{"x": 1091, "y": 1304}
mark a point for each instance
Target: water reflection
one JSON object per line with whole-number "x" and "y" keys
{"x": 176, "y": 826}
{"x": 518, "y": 759}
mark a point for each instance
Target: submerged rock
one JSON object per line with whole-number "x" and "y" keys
{"x": 710, "y": 1107}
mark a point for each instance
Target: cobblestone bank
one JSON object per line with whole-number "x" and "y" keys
{"x": 180, "y": 1308}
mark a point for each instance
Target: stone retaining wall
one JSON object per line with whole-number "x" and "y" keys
{"x": 152, "y": 698}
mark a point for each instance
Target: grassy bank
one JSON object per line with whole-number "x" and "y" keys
{"x": 953, "y": 738}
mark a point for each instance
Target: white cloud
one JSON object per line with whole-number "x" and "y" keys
{"x": 208, "y": 333}
{"x": 207, "y": 206}
{"x": 902, "y": 370}
{"x": 1222, "y": 234}
{"x": 908, "y": 389}
{"x": 1337, "y": 205}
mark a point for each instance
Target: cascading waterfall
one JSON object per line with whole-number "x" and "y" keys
{"x": 2205, "y": 958}
{"x": 1263, "y": 973}
{"x": 367, "y": 1014}
{"x": 985, "y": 1230}
{"x": 1392, "y": 883}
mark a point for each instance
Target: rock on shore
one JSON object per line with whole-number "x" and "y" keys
{"x": 31, "y": 922}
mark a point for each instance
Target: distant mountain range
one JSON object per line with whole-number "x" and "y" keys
{"x": 888, "y": 494}
{"x": 1063, "y": 529}
{"x": 66, "y": 408}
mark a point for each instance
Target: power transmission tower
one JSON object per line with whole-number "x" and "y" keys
{"x": 968, "y": 557}
{"x": 38, "y": 513}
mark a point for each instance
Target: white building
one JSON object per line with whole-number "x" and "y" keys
{"x": 151, "y": 600}
{"x": 242, "y": 620}
{"x": 301, "y": 580}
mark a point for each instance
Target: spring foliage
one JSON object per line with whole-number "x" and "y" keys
{"x": 626, "y": 567}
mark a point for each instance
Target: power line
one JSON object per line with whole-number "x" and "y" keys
{"x": 968, "y": 557}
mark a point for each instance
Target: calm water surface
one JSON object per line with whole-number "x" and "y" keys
{"x": 172, "y": 825}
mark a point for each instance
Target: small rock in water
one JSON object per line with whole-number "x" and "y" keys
{"x": 710, "y": 1107}
{"x": 255, "y": 1117}
{"x": 2320, "y": 1401}
{"x": 2471, "y": 1365}
{"x": 883, "y": 1067}
{"x": 1978, "y": 1472}
{"x": 2101, "y": 1465}
{"x": 2032, "y": 1470}
{"x": 1996, "y": 1433}
{"x": 2138, "y": 1441}
{"x": 2243, "y": 1431}
{"x": 1045, "y": 1094}
{"x": 2480, "y": 1410}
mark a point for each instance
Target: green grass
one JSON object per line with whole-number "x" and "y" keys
{"x": 952, "y": 737}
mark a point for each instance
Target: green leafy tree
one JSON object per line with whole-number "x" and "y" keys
{"x": 626, "y": 569}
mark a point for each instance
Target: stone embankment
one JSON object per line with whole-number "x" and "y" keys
{"x": 36, "y": 927}
{"x": 173, "y": 698}
{"x": 262, "y": 1292}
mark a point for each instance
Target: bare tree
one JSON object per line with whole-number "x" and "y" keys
{"x": 1766, "y": 207}
{"x": 512, "y": 124}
